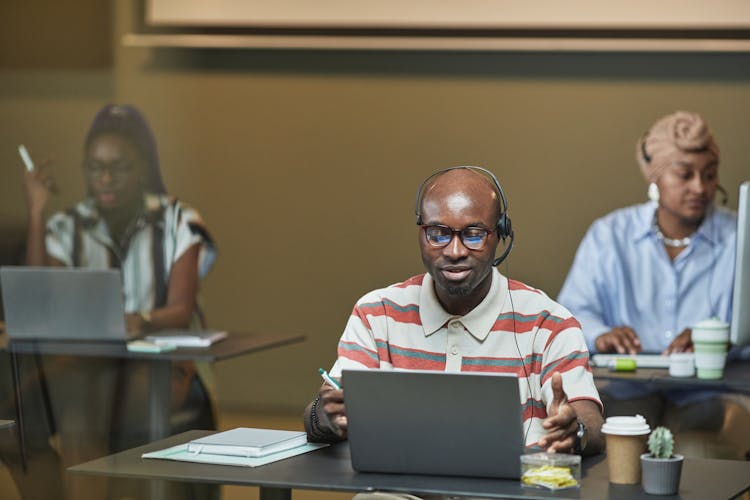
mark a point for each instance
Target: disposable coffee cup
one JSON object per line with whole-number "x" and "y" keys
{"x": 710, "y": 339}
{"x": 626, "y": 441}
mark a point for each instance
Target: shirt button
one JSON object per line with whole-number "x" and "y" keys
{"x": 668, "y": 334}
{"x": 455, "y": 324}
{"x": 454, "y": 350}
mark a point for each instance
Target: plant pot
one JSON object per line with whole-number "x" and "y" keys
{"x": 661, "y": 476}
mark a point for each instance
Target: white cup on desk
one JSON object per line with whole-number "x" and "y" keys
{"x": 710, "y": 339}
{"x": 682, "y": 364}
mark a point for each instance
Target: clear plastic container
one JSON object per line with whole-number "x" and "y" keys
{"x": 551, "y": 471}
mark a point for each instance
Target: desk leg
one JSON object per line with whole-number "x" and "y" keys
{"x": 158, "y": 409}
{"x": 275, "y": 493}
{"x": 16, "y": 375}
{"x": 159, "y": 399}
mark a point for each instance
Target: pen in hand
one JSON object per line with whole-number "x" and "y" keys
{"x": 328, "y": 380}
{"x": 26, "y": 157}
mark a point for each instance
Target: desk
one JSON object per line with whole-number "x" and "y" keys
{"x": 235, "y": 344}
{"x": 159, "y": 369}
{"x": 736, "y": 378}
{"x": 330, "y": 469}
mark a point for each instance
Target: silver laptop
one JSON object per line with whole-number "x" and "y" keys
{"x": 63, "y": 304}
{"x": 427, "y": 422}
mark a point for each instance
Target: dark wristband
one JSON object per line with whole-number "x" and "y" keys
{"x": 316, "y": 432}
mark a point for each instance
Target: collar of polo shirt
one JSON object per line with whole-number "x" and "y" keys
{"x": 478, "y": 322}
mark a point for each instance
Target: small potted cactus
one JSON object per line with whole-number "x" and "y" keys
{"x": 661, "y": 468}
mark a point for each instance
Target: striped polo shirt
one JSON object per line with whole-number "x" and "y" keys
{"x": 156, "y": 239}
{"x": 516, "y": 329}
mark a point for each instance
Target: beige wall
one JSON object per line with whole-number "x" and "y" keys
{"x": 305, "y": 163}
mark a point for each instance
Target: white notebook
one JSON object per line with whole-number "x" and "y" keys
{"x": 248, "y": 442}
{"x": 186, "y": 338}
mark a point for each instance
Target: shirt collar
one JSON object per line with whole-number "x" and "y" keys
{"x": 644, "y": 225}
{"x": 709, "y": 229}
{"x": 644, "y": 221}
{"x": 90, "y": 216}
{"x": 478, "y": 321}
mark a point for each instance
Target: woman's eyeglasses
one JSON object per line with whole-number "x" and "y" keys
{"x": 118, "y": 170}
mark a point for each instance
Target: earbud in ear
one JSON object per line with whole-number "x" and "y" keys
{"x": 724, "y": 195}
{"x": 653, "y": 192}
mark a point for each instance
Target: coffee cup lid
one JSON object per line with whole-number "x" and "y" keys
{"x": 626, "y": 426}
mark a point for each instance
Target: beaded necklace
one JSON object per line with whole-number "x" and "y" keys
{"x": 670, "y": 242}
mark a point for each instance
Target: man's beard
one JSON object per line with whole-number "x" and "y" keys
{"x": 460, "y": 291}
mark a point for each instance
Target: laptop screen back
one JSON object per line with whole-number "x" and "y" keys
{"x": 63, "y": 303}
{"x": 426, "y": 422}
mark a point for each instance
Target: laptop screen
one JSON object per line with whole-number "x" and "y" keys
{"x": 63, "y": 303}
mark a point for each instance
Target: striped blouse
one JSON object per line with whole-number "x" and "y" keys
{"x": 516, "y": 329}
{"x": 156, "y": 239}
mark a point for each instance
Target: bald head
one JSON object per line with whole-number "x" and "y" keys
{"x": 459, "y": 191}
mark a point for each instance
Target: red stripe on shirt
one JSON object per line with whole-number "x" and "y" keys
{"x": 411, "y": 316}
{"x": 557, "y": 328}
{"x": 534, "y": 411}
{"x": 358, "y": 354}
{"x": 566, "y": 365}
{"x": 415, "y": 280}
{"x": 517, "y": 285}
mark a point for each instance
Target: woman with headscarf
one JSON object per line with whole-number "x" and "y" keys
{"x": 645, "y": 274}
{"x": 162, "y": 248}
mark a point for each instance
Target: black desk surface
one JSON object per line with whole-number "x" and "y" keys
{"x": 330, "y": 469}
{"x": 736, "y": 377}
{"x": 235, "y": 344}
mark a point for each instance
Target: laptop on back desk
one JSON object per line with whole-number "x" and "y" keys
{"x": 427, "y": 422}
{"x": 63, "y": 304}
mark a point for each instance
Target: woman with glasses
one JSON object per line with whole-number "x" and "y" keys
{"x": 127, "y": 221}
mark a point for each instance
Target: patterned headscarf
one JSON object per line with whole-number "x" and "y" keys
{"x": 682, "y": 131}
{"x": 125, "y": 120}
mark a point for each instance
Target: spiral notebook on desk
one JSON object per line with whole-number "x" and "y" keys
{"x": 248, "y": 442}
{"x": 247, "y": 447}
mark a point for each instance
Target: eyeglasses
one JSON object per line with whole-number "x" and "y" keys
{"x": 472, "y": 237}
{"x": 118, "y": 170}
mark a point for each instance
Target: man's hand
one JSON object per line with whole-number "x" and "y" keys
{"x": 561, "y": 423}
{"x": 621, "y": 339}
{"x": 331, "y": 410}
{"x": 682, "y": 343}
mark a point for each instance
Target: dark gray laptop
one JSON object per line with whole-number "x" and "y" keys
{"x": 63, "y": 304}
{"x": 426, "y": 422}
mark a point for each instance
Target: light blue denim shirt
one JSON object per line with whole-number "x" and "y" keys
{"x": 622, "y": 276}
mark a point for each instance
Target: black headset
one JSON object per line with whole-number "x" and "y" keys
{"x": 504, "y": 227}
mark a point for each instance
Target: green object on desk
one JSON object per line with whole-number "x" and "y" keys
{"x": 623, "y": 365}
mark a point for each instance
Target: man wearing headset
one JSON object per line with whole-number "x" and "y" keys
{"x": 463, "y": 315}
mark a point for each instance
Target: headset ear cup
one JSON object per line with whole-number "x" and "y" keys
{"x": 504, "y": 227}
